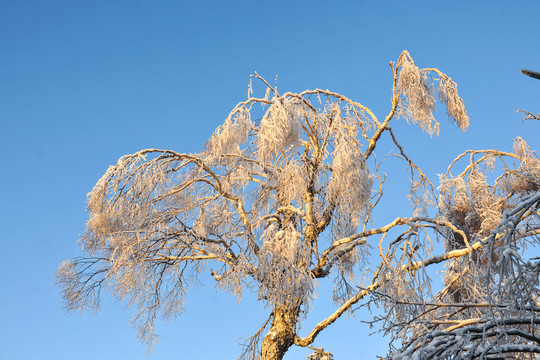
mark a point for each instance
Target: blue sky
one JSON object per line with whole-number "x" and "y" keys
{"x": 82, "y": 83}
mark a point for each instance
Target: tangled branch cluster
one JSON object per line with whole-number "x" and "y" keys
{"x": 282, "y": 196}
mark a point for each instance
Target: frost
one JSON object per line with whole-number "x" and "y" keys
{"x": 418, "y": 102}
{"x": 351, "y": 182}
{"x": 228, "y": 137}
{"x": 455, "y": 106}
{"x": 285, "y": 193}
{"x": 418, "y": 97}
{"x": 283, "y": 270}
{"x": 279, "y": 129}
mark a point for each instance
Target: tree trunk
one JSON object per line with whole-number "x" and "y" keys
{"x": 281, "y": 334}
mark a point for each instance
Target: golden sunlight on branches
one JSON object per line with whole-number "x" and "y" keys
{"x": 283, "y": 196}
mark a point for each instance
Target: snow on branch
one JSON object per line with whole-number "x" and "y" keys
{"x": 283, "y": 195}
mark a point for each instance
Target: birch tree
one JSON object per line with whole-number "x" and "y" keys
{"x": 282, "y": 196}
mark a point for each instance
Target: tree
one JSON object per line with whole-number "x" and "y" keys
{"x": 283, "y": 196}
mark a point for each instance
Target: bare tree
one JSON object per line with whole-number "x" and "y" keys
{"x": 282, "y": 197}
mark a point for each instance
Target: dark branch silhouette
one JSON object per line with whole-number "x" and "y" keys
{"x": 530, "y": 73}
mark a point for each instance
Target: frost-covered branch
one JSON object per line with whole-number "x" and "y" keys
{"x": 491, "y": 302}
{"x": 282, "y": 196}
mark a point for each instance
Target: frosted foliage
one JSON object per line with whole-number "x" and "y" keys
{"x": 494, "y": 304}
{"x": 279, "y": 128}
{"x": 351, "y": 264}
{"x": 214, "y": 218}
{"x": 291, "y": 183}
{"x": 418, "y": 96}
{"x": 351, "y": 182}
{"x": 527, "y": 178}
{"x": 489, "y": 302}
{"x": 344, "y": 224}
{"x": 420, "y": 196}
{"x": 283, "y": 270}
{"x": 240, "y": 176}
{"x": 111, "y": 220}
{"x": 282, "y": 196}
{"x": 418, "y": 102}
{"x": 471, "y": 205}
{"x": 234, "y": 278}
{"x": 475, "y": 206}
{"x": 486, "y": 204}
{"x": 455, "y": 106}
{"x": 231, "y": 134}
{"x": 139, "y": 236}
{"x": 410, "y": 289}
{"x": 464, "y": 282}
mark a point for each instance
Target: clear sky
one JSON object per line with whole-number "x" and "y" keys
{"x": 84, "y": 82}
